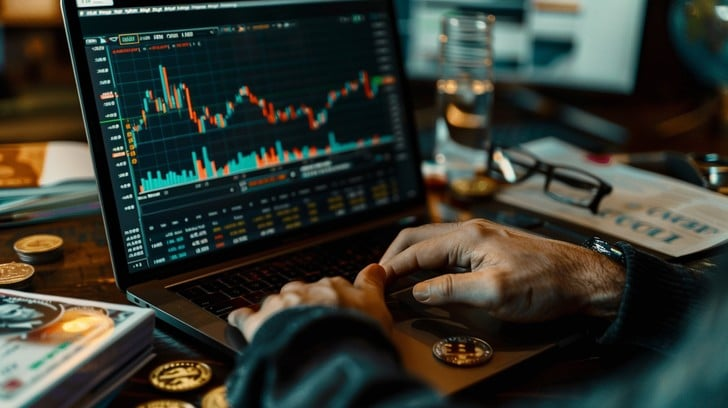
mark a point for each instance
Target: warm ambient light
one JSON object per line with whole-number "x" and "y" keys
{"x": 80, "y": 324}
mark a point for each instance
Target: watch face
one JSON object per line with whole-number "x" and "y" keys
{"x": 605, "y": 248}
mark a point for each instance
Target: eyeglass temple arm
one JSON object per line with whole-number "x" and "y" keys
{"x": 504, "y": 164}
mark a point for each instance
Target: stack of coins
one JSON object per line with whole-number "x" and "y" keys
{"x": 40, "y": 248}
{"x": 16, "y": 275}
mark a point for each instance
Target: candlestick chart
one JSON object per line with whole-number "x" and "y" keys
{"x": 184, "y": 125}
{"x": 176, "y": 99}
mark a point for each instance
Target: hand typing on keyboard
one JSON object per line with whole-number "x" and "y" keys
{"x": 512, "y": 274}
{"x": 366, "y": 294}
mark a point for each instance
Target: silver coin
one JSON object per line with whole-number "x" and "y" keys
{"x": 462, "y": 351}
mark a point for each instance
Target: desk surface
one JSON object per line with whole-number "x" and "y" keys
{"x": 85, "y": 272}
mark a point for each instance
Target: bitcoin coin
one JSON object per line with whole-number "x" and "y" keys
{"x": 215, "y": 398}
{"x": 15, "y": 274}
{"x": 462, "y": 351}
{"x": 165, "y": 403}
{"x": 39, "y": 248}
{"x": 180, "y": 375}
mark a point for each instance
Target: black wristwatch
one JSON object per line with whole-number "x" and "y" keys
{"x": 605, "y": 248}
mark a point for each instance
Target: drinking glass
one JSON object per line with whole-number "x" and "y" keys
{"x": 464, "y": 93}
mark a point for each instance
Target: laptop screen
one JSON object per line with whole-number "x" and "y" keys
{"x": 217, "y": 124}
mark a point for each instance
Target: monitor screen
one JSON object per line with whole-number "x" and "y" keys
{"x": 591, "y": 45}
{"x": 218, "y": 127}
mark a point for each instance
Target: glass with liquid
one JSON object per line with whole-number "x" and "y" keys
{"x": 464, "y": 93}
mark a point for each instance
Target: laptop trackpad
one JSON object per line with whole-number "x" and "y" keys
{"x": 418, "y": 327}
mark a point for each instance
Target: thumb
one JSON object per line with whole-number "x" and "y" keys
{"x": 371, "y": 278}
{"x": 242, "y": 319}
{"x": 454, "y": 288}
{"x": 238, "y": 317}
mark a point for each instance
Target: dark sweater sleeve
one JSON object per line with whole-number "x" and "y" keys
{"x": 659, "y": 298}
{"x": 324, "y": 357}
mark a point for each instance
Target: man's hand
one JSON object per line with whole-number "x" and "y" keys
{"x": 365, "y": 295}
{"x": 514, "y": 275}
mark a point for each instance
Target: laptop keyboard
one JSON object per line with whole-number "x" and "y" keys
{"x": 249, "y": 285}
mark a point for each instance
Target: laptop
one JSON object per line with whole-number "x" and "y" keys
{"x": 231, "y": 139}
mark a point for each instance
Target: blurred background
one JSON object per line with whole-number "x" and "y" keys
{"x": 641, "y": 65}
{"x": 37, "y": 90}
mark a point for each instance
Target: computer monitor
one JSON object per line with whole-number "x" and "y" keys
{"x": 590, "y": 45}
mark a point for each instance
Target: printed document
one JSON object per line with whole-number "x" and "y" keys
{"x": 651, "y": 210}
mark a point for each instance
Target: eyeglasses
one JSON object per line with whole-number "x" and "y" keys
{"x": 566, "y": 184}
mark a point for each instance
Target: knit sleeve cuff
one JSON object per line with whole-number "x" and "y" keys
{"x": 657, "y": 301}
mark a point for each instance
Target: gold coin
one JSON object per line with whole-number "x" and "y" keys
{"x": 215, "y": 398}
{"x": 476, "y": 187}
{"x": 180, "y": 375}
{"x": 12, "y": 273}
{"x": 39, "y": 248}
{"x": 462, "y": 351}
{"x": 39, "y": 243}
{"x": 74, "y": 324}
{"x": 165, "y": 403}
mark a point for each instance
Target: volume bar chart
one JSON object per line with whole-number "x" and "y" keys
{"x": 202, "y": 167}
